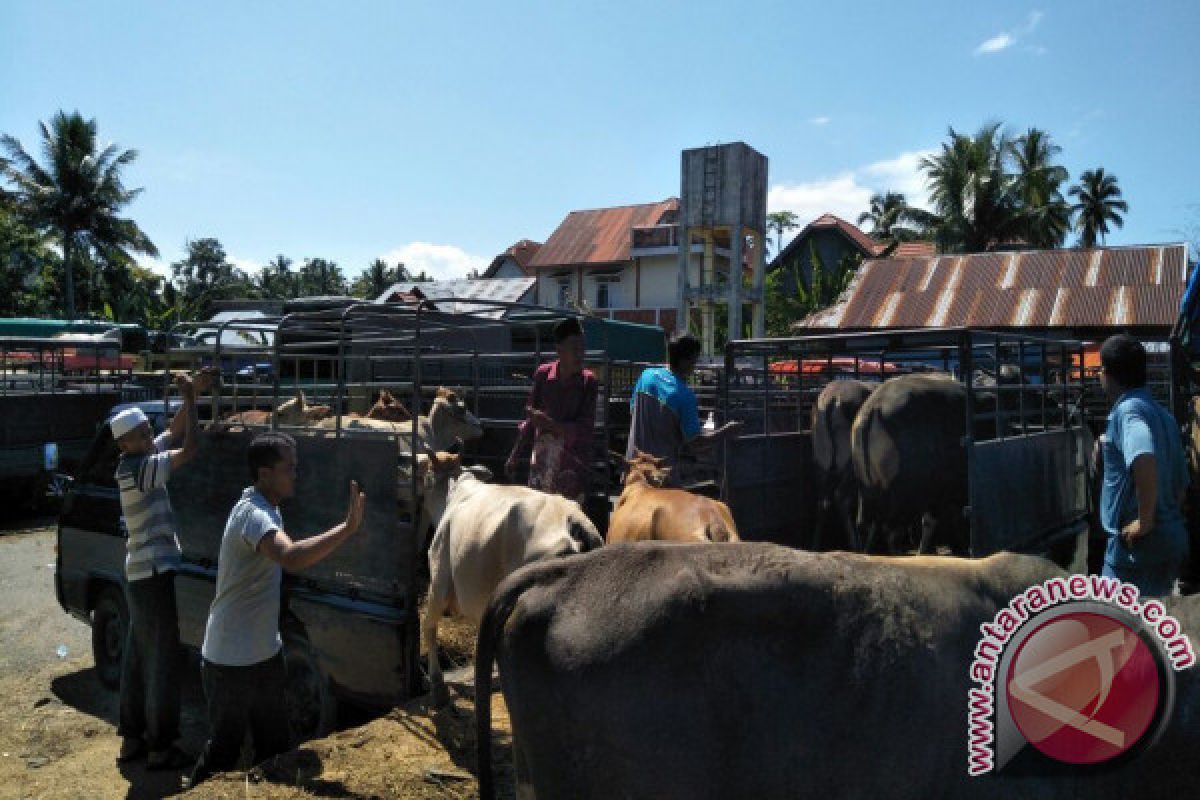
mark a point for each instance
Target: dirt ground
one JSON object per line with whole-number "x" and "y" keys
{"x": 58, "y": 724}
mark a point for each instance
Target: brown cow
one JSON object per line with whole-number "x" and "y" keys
{"x": 386, "y": 408}
{"x": 295, "y": 411}
{"x": 647, "y": 511}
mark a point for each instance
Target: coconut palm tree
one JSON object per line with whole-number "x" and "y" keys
{"x": 1038, "y": 186}
{"x": 976, "y": 203}
{"x": 77, "y": 193}
{"x": 1099, "y": 203}
{"x": 781, "y": 222}
{"x": 890, "y": 217}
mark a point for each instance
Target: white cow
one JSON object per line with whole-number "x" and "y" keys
{"x": 448, "y": 419}
{"x": 484, "y": 533}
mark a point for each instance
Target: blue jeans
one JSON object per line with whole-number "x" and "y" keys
{"x": 150, "y": 664}
{"x": 1157, "y": 580}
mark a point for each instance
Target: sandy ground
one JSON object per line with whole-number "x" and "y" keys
{"x": 58, "y": 724}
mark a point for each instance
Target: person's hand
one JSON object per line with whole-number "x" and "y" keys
{"x": 1134, "y": 531}
{"x": 205, "y": 379}
{"x": 185, "y": 386}
{"x": 356, "y": 509}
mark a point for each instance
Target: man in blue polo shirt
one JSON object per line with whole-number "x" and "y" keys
{"x": 665, "y": 416}
{"x": 1145, "y": 476}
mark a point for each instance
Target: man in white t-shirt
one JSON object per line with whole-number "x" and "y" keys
{"x": 243, "y": 671}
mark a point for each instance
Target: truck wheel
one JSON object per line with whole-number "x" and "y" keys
{"x": 110, "y": 625}
{"x": 311, "y": 706}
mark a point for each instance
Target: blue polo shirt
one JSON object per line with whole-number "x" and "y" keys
{"x": 664, "y": 416}
{"x": 1138, "y": 425}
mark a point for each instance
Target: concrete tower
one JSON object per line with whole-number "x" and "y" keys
{"x": 723, "y": 197}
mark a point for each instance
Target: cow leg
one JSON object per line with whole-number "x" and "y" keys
{"x": 929, "y": 525}
{"x": 434, "y": 609}
{"x": 848, "y": 527}
{"x": 521, "y": 771}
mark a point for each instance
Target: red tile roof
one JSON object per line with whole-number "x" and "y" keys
{"x": 913, "y": 250}
{"x": 523, "y": 252}
{"x": 598, "y": 236}
{"x": 1101, "y": 287}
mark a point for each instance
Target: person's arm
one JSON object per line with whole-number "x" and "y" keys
{"x": 1137, "y": 448}
{"x": 187, "y": 420}
{"x": 295, "y": 556}
{"x": 525, "y": 429}
{"x": 1145, "y": 483}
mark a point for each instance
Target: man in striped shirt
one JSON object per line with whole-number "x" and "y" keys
{"x": 149, "y": 714}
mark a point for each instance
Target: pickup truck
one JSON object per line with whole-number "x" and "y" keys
{"x": 349, "y": 624}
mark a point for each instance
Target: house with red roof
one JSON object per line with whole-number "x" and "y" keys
{"x": 620, "y": 262}
{"x": 834, "y": 238}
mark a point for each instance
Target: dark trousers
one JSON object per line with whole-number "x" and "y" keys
{"x": 240, "y": 699}
{"x": 150, "y": 663}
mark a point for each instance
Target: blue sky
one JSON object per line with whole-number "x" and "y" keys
{"x": 441, "y": 133}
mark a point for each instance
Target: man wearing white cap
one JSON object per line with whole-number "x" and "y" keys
{"x": 149, "y": 714}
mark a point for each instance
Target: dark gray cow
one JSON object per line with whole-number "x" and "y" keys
{"x": 751, "y": 670}
{"x": 911, "y": 464}
{"x": 837, "y": 490}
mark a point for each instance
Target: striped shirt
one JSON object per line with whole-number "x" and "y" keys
{"x": 152, "y": 546}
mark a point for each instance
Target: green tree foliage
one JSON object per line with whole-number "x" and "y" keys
{"x": 77, "y": 195}
{"x": 1098, "y": 204}
{"x": 780, "y": 222}
{"x": 205, "y": 275}
{"x": 993, "y": 191}
{"x": 376, "y": 279}
{"x": 276, "y": 280}
{"x": 788, "y": 301}
{"x": 320, "y": 277}
{"x": 891, "y": 219}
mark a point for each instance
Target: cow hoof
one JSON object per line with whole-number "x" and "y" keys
{"x": 438, "y": 695}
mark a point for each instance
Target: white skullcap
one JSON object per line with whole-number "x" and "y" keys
{"x": 126, "y": 421}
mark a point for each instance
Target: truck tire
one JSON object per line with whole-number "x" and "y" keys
{"x": 311, "y": 705}
{"x": 110, "y": 625}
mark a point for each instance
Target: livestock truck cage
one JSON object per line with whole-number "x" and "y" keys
{"x": 53, "y": 393}
{"x": 1028, "y": 480}
{"x": 340, "y": 357}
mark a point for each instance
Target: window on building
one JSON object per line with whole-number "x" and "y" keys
{"x": 602, "y": 296}
{"x": 564, "y": 293}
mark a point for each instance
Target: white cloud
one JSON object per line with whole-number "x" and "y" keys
{"x": 154, "y": 264}
{"x": 848, "y": 194}
{"x": 246, "y": 265}
{"x": 820, "y": 120}
{"x": 1006, "y": 39}
{"x": 441, "y": 262}
{"x": 996, "y": 44}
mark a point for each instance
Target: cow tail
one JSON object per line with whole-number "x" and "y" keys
{"x": 490, "y": 630}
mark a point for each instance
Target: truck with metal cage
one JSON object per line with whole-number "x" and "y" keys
{"x": 1028, "y": 485}
{"x": 350, "y": 623}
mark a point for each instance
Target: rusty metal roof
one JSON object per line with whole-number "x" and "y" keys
{"x": 1100, "y": 287}
{"x": 598, "y": 236}
{"x": 913, "y": 250}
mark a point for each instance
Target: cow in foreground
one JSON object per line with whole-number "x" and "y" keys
{"x": 910, "y": 463}
{"x": 647, "y": 511}
{"x": 484, "y": 532}
{"x": 708, "y": 671}
{"x": 837, "y": 490}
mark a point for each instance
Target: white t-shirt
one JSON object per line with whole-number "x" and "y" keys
{"x": 243, "y": 622}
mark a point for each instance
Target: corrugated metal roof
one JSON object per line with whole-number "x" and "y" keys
{"x": 1102, "y": 287}
{"x": 506, "y": 290}
{"x": 913, "y": 250}
{"x": 598, "y": 236}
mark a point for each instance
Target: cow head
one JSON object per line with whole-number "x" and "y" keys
{"x": 647, "y": 469}
{"x": 450, "y": 419}
{"x": 297, "y": 411}
{"x": 438, "y": 474}
{"x": 388, "y": 408}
